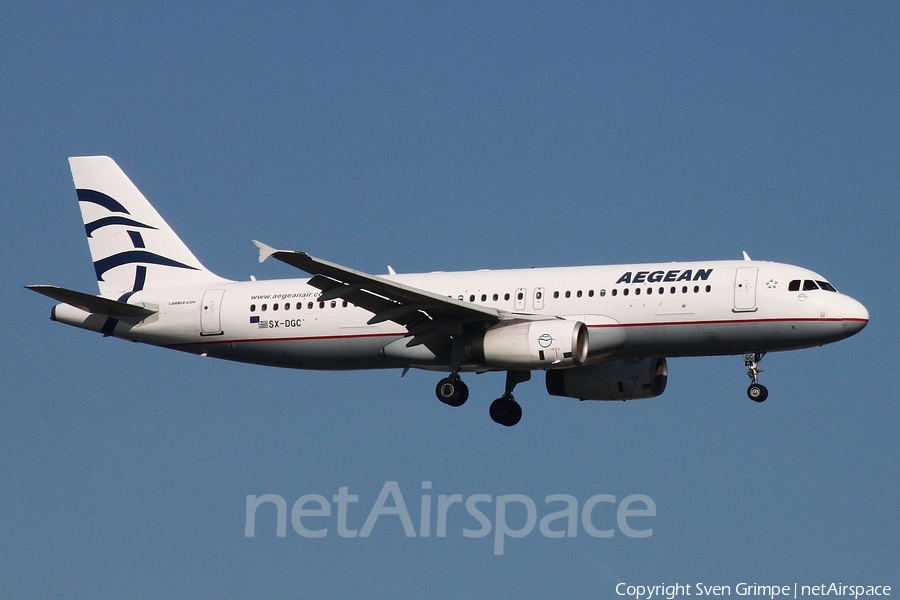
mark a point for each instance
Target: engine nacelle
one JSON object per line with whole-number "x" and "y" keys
{"x": 615, "y": 380}
{"x": 532, "y": 345}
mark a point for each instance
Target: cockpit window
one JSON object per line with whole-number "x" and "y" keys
{"x": 809, "y": 285}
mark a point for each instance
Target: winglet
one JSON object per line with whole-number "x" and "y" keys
{"x": 264, "y": 250}
{"x": 746, "y": 256}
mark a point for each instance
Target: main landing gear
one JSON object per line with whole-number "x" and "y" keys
{"x": 504, "y": 410}
{"x": 757, "y": 391}
{"x": 451, "y": 390}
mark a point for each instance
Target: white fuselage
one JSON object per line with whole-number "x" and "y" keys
{"x": 598, "y": 333}
{"x": 648, "y": 310}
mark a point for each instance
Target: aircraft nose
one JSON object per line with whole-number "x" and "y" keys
{"x": 854, "y": 315}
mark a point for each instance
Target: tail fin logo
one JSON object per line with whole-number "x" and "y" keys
{"x": 132, "y": 247}
{"x": 93, "y": 226}
{"x": 123, "y": 258}
{"x": 110, "y": 204}
{"x": 132, "y": 257}
{"x": 95, "y": 197}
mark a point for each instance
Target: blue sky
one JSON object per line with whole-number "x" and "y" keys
{"x": 443, "y": 137}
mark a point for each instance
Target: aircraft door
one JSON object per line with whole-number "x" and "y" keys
{"x": 538, "y": 298}
{"x": 210, "y": 312}
{"x": 745, "y": 289}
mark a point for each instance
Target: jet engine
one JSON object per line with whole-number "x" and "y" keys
{"x": 614, "y": 380}
{"x": 531, "y": 345}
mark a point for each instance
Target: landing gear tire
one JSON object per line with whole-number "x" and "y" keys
{"x": 452, "y": 391}
{"x": 757, "y": 392}
{"x": 506, "y": 411}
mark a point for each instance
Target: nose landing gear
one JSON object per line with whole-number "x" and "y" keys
{"x": 756, "y": 392}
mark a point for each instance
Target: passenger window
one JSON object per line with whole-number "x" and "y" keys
{"x": 794, "y": 286}
{"x": 637, "y": 292}
{"x": 333, "y": 303}
{"x": 625, "y": 292}
{"x": 590, "y": 293}
{"x": 264, "y": 307}
{"x": 578, "y": 293}
{"x": 344, "y": 304}
{"x": 309, "y": 306}
{"x": 506, "y": 296}
{"x": 321, "y": 304}
{"x": 556, "y": 294}
{"x": 684, "y": 289}
{"x": 602, "y": 293}
{"x": 662, "y": 290}
{"x": 696, "y": 288}
{"x": 471, "y": 297}
{"x": 709, "y": 288}
{"x": 287, "y": 306}
{"x": 809, "y": 285}
{"x": 615, "y": 292}
{"x": 649, "y": 291}
{"x": 568, "y": 294}
{"x": 483, "y": 297}
{"x": 672, "y": 290}
{"x": 538, "y": 295}
{"x": 252, "y": 308}
{"x": 299, "y": 305}
{"x": 496, "y": 297}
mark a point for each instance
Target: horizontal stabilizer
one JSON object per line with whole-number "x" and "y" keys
{"x": 92, "y": 304}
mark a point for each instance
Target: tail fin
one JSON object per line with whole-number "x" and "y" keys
{"x": 132, "y": 247}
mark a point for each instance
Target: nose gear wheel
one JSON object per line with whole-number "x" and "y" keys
{"x": 757, "y": 391}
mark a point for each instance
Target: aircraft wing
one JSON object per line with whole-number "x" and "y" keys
{"x": 388, "y": 300}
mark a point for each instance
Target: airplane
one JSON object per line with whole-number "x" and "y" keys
{"x": 598, "y": 332}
